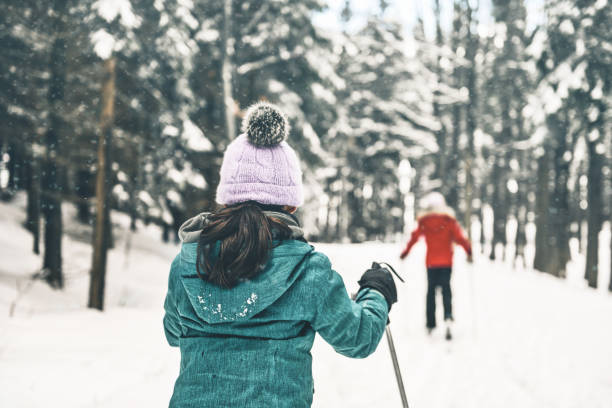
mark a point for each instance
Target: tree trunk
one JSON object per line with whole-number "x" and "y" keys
{"x": 83, "y": 190}
{"x": 110, "y": 240}
{"x": 594, "y": 212}
{"x": 178, "y": 216}
{"x": 500, "y": 210}
{"x": 441, "y": 136}
{"x": 452, "y": 167}
{"x": 32, "y": 222}
{"x": 13, "y": 167}
{"x": 338, "y": 226}
{"x": 521, "y": 208}
{"x": 469, "y": 187}
{"x": 135, "y": 186}
{"x": 452, "y": 197}
{"x": 51, "y": 204}
{"x": 483, "y": 199}
{"x": 133, "y": 218}
{"x": 102, "y": 229}
{"x": 541, "y": 214}
{"x": 577, "y": 215}
{"x": 227, "y": 72}
{"x": 356, "y": 230}
{"x": 165, "y": 232}
{"x": 610, "y": 284}
{"x": 470, "y": 119}
{"x": 133, "y": 209}
{"x": 344, "y": 216}
{"x": 520, "y": 241}
{"x": 324, "y": 236}
{"x": 51, "y": 207}
{"x": 558, "y": 237}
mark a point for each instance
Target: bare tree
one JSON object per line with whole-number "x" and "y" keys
{"x": 102, "y": 228}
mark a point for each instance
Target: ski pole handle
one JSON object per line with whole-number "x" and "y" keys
{"x": 392, "y": 270}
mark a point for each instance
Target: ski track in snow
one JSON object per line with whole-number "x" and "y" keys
{"x": 521, "y": 338}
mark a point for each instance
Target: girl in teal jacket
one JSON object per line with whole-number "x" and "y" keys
{"x": 247, "y": 293}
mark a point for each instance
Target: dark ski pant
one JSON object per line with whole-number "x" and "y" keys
{"x": 438, "y": 277}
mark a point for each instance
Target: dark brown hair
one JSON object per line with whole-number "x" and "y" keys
{"x": 236, "y": 241}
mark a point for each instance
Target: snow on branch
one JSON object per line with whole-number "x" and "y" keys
{"x": 257, "y": 17}
{"x": 110, "y": 9}
{"x": 195, "y": 137}
{"x": 103, "y": 43}
{"x": 250, "y": 66}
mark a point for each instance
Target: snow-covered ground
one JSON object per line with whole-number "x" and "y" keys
{"x": 522, "y": 339}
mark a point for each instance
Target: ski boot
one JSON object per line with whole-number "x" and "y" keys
{"x": 448, "y": 334}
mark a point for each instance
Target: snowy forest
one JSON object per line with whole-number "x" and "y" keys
{"x": 129, "y": 106}
{"x": 118, "y": 112}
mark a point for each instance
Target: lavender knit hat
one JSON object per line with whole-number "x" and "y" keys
{"x": 259, "y": 165}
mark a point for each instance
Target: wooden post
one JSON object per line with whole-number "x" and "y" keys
{"x": 102, "y": 225}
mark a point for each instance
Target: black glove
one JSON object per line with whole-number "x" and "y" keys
{"x": 380, "y": 279}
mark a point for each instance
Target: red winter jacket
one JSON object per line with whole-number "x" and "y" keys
{"x": 440, "y": 231}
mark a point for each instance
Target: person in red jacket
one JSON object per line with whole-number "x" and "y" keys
{"x": 438, "y": 225}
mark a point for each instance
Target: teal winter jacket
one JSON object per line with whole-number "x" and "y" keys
{"x": 249, "y": 346}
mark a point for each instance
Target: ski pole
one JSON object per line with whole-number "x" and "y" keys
{"x": 473, "y": 300}
{"x": 398, "y": 373}
{"x": 396, "y": 367}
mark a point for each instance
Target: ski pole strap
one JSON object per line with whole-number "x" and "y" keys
{"x": 392, "y": 270}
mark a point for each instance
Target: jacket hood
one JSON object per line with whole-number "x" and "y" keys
{"x": 216, "y": 305}
{"x": 190, "y": 230}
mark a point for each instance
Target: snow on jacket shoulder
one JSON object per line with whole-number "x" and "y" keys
{"x": 440, "y": 230}
{"x": 249, "y": 346}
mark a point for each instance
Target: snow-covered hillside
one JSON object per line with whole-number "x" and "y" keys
{"x": 522, "y": 339}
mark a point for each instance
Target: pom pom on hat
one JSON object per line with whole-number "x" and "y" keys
{"x": 265, "y": 124}
{"x": 259, "y": 165}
